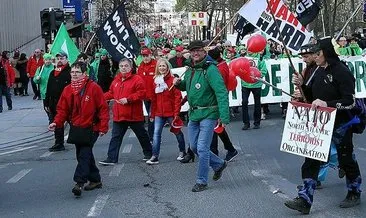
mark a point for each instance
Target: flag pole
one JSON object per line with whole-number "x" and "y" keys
{"x": 91, "y": 39}
{"x": 349, "y": 20}
{"x": 286, "y": 49}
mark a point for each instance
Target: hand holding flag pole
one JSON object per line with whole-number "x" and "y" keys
{"x": 286, "y": 49}
{"x": 180, "y": 77}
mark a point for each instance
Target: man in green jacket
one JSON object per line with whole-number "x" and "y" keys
{"x": 41, "y": 78}
{"x": 209, "y": 105}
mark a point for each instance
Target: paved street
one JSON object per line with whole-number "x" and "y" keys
{"x": 37, "y": 183}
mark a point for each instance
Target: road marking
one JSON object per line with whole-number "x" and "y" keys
{"x": 132, "y": 135}
{"x": 47, "y": 154}
{"x": 98, "y": 205}
{"x": 13, "y": 163}
{"x": 127, "y": 148}
{"x": 19, "y": 176}
{"x": 116, "y": 170}
{"x": 362, "y": 149}
{"x": 17, "y": 150}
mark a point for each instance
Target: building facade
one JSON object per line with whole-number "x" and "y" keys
{"x": 21, "y": 25}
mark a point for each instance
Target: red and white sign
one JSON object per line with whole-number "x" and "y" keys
{"x": 258, "y": 13}
{"x": 308, "y": 132}
{"x": 197, "y": 18}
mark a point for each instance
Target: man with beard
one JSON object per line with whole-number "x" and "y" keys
{"x": 103, "y": 73}
{"x": 59, "y": 78}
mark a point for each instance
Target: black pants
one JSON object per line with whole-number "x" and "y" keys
{"x": 119, "y": 130}
{"x": 35, "y": 88}
{"x": 225, "y": 139}
{"x": 257, "y": 105}
{"x": 25, "y": 81}
{"x": 86, "y": 170}
{"x": 59, "y": 132}
{"x": 150, "y": 125}
{"x": 4, "y": 90}
{"x": 310, "y": 168}
{"x": 48, "y": 113}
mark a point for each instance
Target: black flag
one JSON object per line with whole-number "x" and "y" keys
{"x": 243, "y": 27}
{"x": 117, "y": 36}
{"x": 307, "y": 11}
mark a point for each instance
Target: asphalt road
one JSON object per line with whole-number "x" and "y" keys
{"x": 36, "y": 183}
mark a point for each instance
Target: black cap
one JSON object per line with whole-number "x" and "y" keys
{"x": 306, "y": 49}
{"x": 325, "y": 44}
{"x": 196, "y": 44}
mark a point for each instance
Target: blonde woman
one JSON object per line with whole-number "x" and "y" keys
{"x": 166, "y": 105}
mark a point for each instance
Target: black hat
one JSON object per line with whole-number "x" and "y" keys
{"x": 325, "y": 44}
{"x": 196, "y": 44}
{"x": 306, "y": 49}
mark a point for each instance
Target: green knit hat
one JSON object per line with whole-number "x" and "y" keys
{"x": 104, "y": 52}
{"x": 47, "y": 56}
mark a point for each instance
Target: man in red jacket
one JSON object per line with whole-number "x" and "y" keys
{"x": 83, "y": 105}
{"x": 127, "y": 91}
{"x": 146, "y": 71}
{"x": 7, "y": 79}
{"x": 33, "y": 63}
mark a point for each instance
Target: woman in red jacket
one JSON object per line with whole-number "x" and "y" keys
{"x": 166, "y": 104}
{"x": 82, "y": 104}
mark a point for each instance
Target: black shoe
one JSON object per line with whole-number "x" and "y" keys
{"x": 93, "y": 185}
{"x": 218, "y": 173}
{"x": 199, "y": 187}
{"x": 26, "y": 94}
{"x": 153, "y": 161}
{"x": 318, "y": 185}
{"x": 10, "y": 108}
{"x": 57, "y": 148}
{"x": 352, "y": 199}
{"x": 257, "y": 126}
{"x": 245, "y": 127}
{"x": 299, "y": 204}
{"x": 231, "y": 155}
{"x": 77, "y": 189}
{"x": 107, "y": 162}
{"x": 188, "y": 157}
{"x": 146, "y": 157}
{"x": 35, "y": 97}
{"x": 1, "y": 110}
{"x": 341, "y": 173}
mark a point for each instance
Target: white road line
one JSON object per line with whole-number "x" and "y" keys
{"x": 98, "y": 205}
{"x": 116, "y": 170}
{"x": 132, "y": 135}
{"x": 16, "y": 150}
{"x": 47, "y": 154}
{"x": 362, "y": 149}
{"x": 19, "y": 176}
{"x": 127, "y": 148}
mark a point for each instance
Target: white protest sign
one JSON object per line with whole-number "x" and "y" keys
{"x": 257, "y": 13}
{"x": 308, "y": 132}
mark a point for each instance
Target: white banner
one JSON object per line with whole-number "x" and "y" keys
{"x": 257, "y": 13}
{"x": 308, "y": 132}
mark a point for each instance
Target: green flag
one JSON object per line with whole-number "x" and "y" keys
{"x": 64, "y": 43}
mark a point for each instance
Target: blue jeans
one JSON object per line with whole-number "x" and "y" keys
{"x": 158, "y": 128}
{"x": 200, "y": 137}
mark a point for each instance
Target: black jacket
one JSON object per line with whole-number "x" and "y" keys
{"x": 56, "y": 85}
{"x": 174, "y": 63}
{"x": 104, "y": 75}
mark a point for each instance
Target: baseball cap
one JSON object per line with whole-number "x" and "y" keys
{"x": 61, "y": 54}
{"x": 146, "y": 51}
{"x": 196, "y": 44}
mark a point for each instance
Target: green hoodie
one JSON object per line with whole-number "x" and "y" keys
{"x": 206, "y": 89}
{"x": 261, "y": 67}
{"x": 354, "y": 49}
{"x": 44, "y": 73}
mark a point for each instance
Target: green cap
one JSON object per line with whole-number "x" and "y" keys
{"x": 103, "y": 52}
{"x": 47, "y": 56}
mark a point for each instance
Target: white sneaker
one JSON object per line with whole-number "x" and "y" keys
{"x": 180, "y": 156}
{"x": 153, "y": 160}
{"x": 263, "y": 117}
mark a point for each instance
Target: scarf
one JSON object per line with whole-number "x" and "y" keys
{"x": 160, "y": 84}
{"x": 59, "y": 69}
{"x": 77, "y": 85}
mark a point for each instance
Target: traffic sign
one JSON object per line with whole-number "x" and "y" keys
{"x": 68, "y": 5}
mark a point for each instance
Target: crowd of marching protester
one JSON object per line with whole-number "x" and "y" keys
{"x": 81, "y": 93}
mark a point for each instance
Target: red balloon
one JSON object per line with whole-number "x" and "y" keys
{"x": 253, "y": 73}
{"x": 239, "y": 66}
{"x": 232, "y": 82}
{"x": 256, "y": 43}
